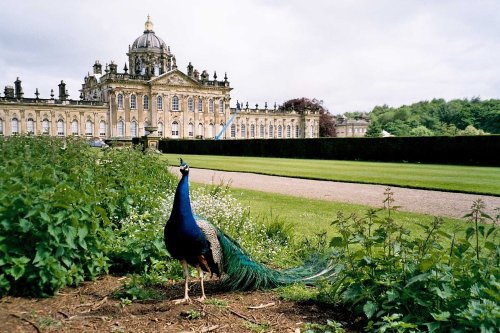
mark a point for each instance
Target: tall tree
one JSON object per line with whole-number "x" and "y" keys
{"x": 326, "y": 121}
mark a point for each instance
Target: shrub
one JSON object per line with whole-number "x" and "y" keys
{"x": 60, "y": 203}
{"x": 436, "y": 281}
{"x": 52, "y": 226}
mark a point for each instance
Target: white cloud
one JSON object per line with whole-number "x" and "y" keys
{"x": 351, "y": 54}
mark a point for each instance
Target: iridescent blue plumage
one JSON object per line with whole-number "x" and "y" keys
{"x": 196, "y": 242}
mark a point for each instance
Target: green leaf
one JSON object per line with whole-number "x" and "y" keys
{"x": 426, "y": 264}
{"x": 442, "y": 316}
{"x": 417, "y": 278}
{"x": 369, "y": 309}
{"x": 469, "y": 232}
{"x": 70, "y": 234}
{"x": 337, "y": 242}
{"x": 44, "y": 216}
{"x": 490, "y": 246}
{"x": 25, "y": 225}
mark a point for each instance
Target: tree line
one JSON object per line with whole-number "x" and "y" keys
{"x": 425, "y": 118}
{"x": 438, "y": 117}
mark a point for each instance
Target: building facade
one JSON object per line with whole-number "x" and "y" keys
{"x": 345, "y": 127}
{"x": 150, "y": 93}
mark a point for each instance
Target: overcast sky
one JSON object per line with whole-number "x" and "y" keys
{"x": 353, "y": 55}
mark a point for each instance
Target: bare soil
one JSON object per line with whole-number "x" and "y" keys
{"x": 92, "y": 308}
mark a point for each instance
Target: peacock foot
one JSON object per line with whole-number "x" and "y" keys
{"x": 182, "y": 300}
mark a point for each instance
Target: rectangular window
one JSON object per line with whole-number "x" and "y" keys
{"x": 133, "y": 102}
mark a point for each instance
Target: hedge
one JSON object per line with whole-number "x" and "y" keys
{"x": 465, "y": 150}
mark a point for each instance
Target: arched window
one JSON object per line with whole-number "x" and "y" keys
{"x": 175, "y": 129}
{"x": 233, "y": 130}
{"x": 211, "y": 130}
{"x": 271, "y": 131}
{"x": 200, "y": 129}
{"x": 211, "y": 105}
{"x": 297, "y": 131}
{"x": 121, "y": 128}
{"x": 288, "y": 131}
{"x": 175, "y": 103}
{"x": 261, "y": 131}
{"x": 221, "y": 106}
{"x": 15, "y": 126}
{"x": 88, "y": 128}
{"x": 280, "y": 131}
{"x": 1, "y": 126}
{"x": 45, "y": 126}
{"x": 190, "y": 130}
{"x": 243, "y": 131}
{"x": 133, "y": 129}
{"x": 146, "y": 102}
{"x": 190, "y": 104}
{"x": 145, "y": 124}
{"x": 60, "y": 127}
{"x": 200, "y": 105}
{"x": 30, "y": 126}
{"x": 159, "y": 103}
{"x": 102, "y": 128}
{"x": 133, "y": 102}
{"x": 120, "y": 102}
{"x": 252, "y": 131}
{"x": 74, "y": 127}
{"x": 160, "y": 129}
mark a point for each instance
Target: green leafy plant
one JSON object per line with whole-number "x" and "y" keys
{"x": 61, "y": 211}
{"x": 404, "y": 282}
{"x": 331, "y": 326}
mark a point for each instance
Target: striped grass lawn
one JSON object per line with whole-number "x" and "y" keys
{"x": 309, "y": 217}
{"x": 454, "y": 178}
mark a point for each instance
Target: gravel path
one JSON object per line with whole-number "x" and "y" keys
{"x": 420, "y": 201}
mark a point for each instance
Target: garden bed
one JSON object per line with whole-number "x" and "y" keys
{"x": 92, "y": 307}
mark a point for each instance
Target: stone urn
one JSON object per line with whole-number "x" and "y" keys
{"x": 151, "y": 130}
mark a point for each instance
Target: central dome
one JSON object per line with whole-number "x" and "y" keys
{"x": 148, "y": 38}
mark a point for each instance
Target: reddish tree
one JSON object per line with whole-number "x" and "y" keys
{"x": 326, "y": 120}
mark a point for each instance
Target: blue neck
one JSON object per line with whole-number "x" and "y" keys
{"x": 181, "y": 210}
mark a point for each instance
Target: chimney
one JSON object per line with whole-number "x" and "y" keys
{"x": 19, "y": 89}
{"x": 9, "y": 92}
{"x": 62, "y": 91}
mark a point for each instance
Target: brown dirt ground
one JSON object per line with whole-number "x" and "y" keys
{"x": 92, "y": 308}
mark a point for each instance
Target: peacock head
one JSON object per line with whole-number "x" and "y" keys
{"x": 184, "y": 168}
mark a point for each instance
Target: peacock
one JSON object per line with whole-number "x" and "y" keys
{"x": 196, "y": 242}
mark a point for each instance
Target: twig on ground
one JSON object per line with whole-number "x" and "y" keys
{"x": 100, "y": 303}
{"x": 63, "y": 313}
{"x": 209, "y": 329}
{"x": 103, "y": 318}
{"x": 28, "y": 321}
{"x": 244, "y": 317}
{"x": 261, "y": 306}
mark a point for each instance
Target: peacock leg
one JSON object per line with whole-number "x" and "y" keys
{"x": 200, "y": 273}
{"x": 186, "y": 298}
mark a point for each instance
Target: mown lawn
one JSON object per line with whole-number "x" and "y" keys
{"x": 467, "y": 179}
{"x": 309, "y": 217}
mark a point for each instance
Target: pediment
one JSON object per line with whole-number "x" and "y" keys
{"x": 174, "y": 78}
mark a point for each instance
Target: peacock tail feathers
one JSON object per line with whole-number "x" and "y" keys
{"x": 242, "y": 273}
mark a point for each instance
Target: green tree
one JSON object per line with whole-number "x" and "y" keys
{"x": 374, "y": 129}
{"x": 421, "y": 131}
